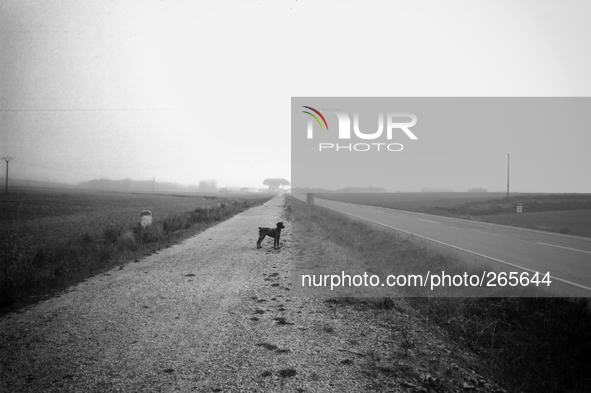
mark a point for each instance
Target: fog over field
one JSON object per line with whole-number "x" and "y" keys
{"x": 186, "y": 91}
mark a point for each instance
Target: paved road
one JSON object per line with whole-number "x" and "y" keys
{"x": 567, "y": 258}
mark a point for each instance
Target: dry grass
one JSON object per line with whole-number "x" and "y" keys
{"x": 48, "y": 259}
{"x": 357, "y": 247}
{"x": 46, "y": 218}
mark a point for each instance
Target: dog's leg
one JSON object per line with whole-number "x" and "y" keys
{"x": 261, "y": 237}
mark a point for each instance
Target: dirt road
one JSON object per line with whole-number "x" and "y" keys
{"x": 215, "y": 314}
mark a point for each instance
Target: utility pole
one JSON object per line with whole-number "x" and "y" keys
{"x": 7, "y": 159}
{"x": 507, "y": 176}
{"x": 153, "y": 181}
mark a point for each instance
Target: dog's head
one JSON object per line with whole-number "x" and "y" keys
{"x": 280, "y": 225}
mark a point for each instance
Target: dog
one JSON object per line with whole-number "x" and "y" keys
{"x": 275, "y": 233}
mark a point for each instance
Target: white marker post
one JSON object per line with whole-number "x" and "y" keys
{"x": 146, "y": 218}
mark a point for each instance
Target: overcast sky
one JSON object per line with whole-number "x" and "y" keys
{"x": 192, "y": 90}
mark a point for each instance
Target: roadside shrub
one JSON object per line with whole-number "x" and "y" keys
{"x": 15, "y": 268}
{"x": 127, "y": 241}
{"x": 111, "y": 234}
{"x": 175, "y": 223}
{"x": 107, "y": 252}
{"x": 540, "y": 344}
{"x": 87, "y": 238}
{"x": 151, "y": 233}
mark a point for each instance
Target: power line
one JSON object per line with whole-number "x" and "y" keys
{"x": 7, "y": 159}
{"x": 507, "y": 175}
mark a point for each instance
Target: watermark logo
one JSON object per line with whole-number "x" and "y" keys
{"x": 310, "y": 122}
{"x": 394, "y": 121}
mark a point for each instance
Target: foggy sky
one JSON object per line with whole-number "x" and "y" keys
{"x": 188, "y": 91}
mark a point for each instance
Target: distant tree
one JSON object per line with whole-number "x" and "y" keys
{"x": 208, "y": 186}
{"x": 434, "y": 189}
{"x": 125, "y": 184}
{"x": 274, "y": 184}
{"x": 130, "y": 185}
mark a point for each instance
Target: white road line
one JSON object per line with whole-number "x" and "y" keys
{"x": 471, "y": 252}
{"x": 568, "y": 248}
{"x": 434, "y": 222}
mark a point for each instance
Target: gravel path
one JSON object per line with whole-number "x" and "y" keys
{"x": 213, "y": 314}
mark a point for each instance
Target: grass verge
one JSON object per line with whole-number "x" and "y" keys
{"x": 530, "y": 344}
{"x": 27, "y": 277}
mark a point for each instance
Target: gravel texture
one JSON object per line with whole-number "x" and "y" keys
{"x": 214, "y": 313}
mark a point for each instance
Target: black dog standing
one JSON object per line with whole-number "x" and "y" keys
{"x": 275, "y": 233}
